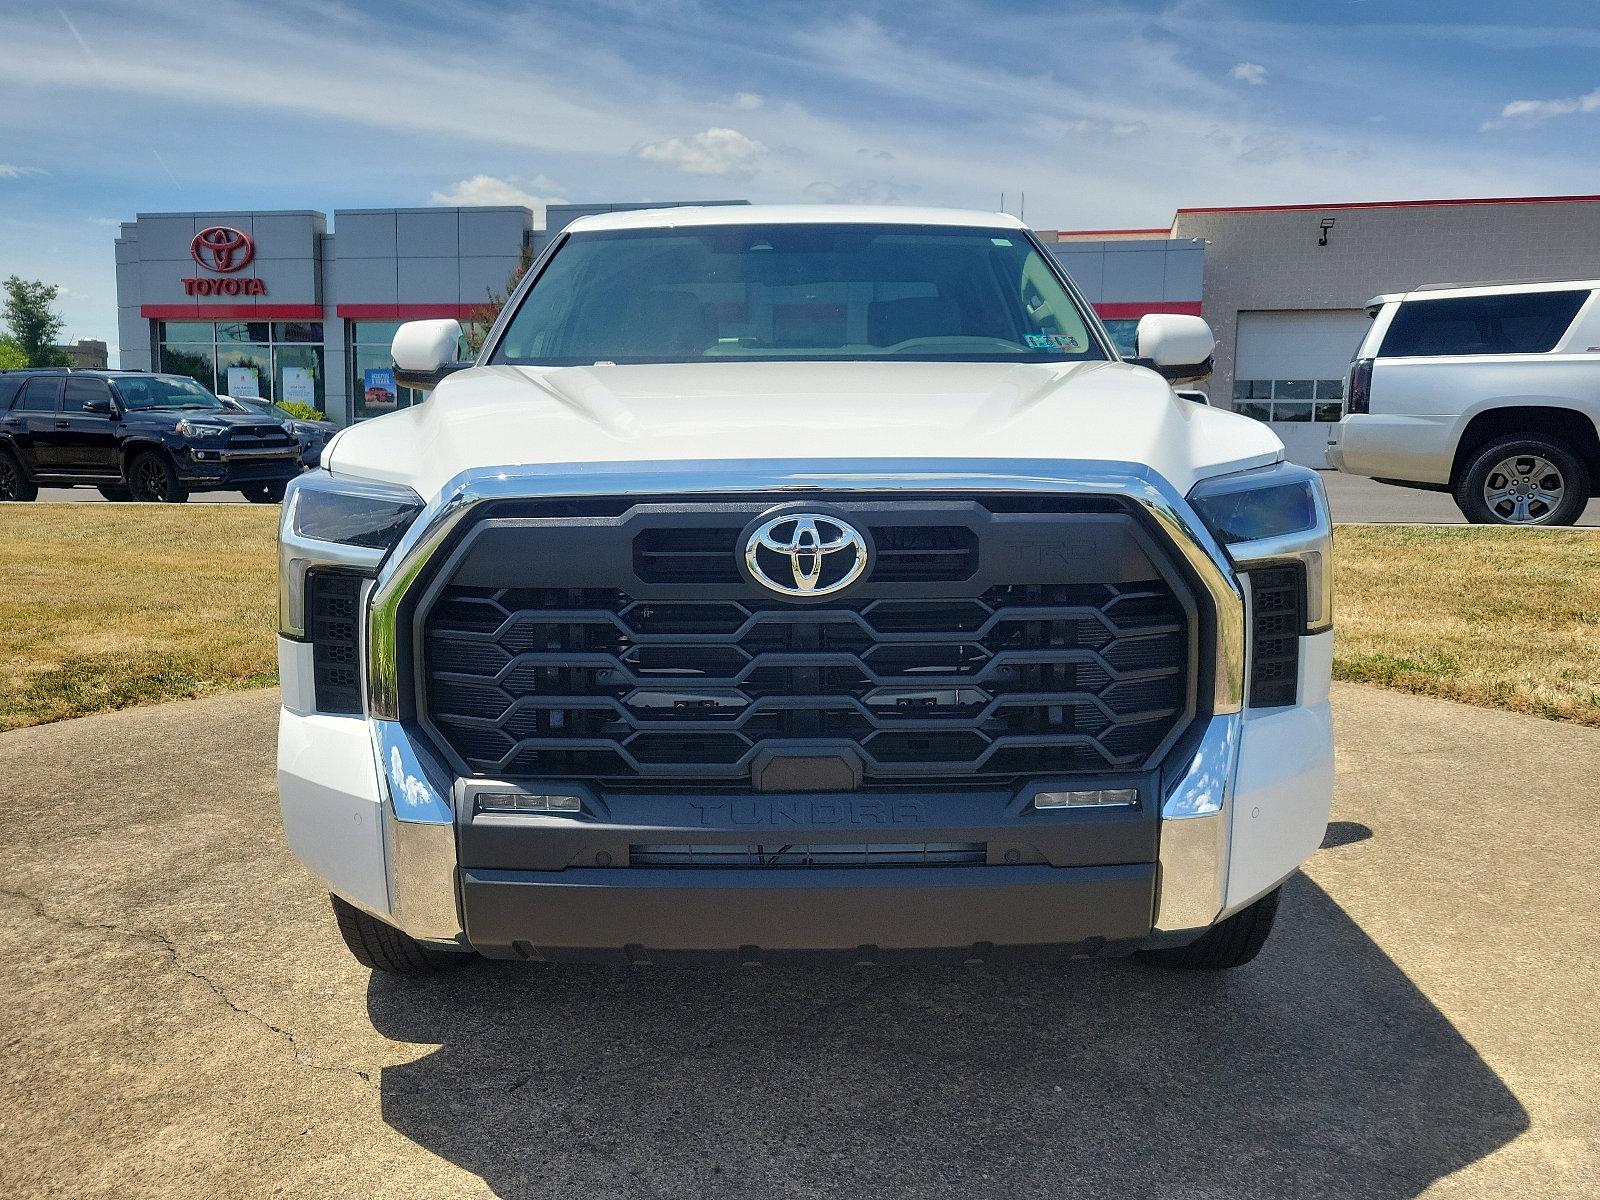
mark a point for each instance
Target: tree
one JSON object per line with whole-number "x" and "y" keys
{"x": 31, "y": 321}
{"x": 12, "y": 357}
{"x": 484, "y": 315}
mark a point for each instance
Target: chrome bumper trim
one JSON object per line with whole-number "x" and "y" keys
{"x": 1194, "y": 832}
{"x": 419, "y": 835}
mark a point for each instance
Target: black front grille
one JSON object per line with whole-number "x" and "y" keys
{"x": 903, "y": 554}
{"x": 822, "y": 854}
{"x": 259, "y": 437}
{"x": 1277, "y": 617}
{"x": 909, "y": 681}
{"x": 333, "y": 604}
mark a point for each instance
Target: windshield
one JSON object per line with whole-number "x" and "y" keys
{"x": 164, "y": 391}
{"x": 791, "y": 292}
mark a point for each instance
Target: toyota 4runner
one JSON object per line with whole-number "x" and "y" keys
{"x": 135, "y": 436}
{"x": 804, "y": 579}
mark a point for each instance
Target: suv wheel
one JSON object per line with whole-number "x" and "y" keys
{"x": 1227, "y": 944}
{"x": 151, "y": 479}
{"x": 14, "y": 481}
{"x": 382, "y": 947}
{"x": 1523, "y": 480}
{"x": 264, "y": 493}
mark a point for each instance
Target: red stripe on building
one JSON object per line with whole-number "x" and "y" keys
{"x": 1245, "y": 208}
{"x": 1163, "y": 231}
{"x": 231, "y": 312}
{"x": 1124, "y": 310}
{"x": 409, "y": 312}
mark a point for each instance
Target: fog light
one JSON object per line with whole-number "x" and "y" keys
{"x": 1102, "y": 798}
{"x": 523, "y": 802}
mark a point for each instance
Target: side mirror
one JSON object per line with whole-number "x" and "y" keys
{"x": 424, "y": 352}
{"x": 1175, "y": 346}
{"x": 104, "y": 408}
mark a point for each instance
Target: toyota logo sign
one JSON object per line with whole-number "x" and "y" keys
{"x": 805, "y": 555}
{"x": 222, "y": 248}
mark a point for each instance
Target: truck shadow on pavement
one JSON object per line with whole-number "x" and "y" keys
{"x": 1319, "y": 1070}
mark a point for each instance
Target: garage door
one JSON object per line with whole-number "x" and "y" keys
{"x": 1288, "y": 370}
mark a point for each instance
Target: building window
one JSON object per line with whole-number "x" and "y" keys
{"x": 1289, "y": 399}
{"x": 279, "y": 361}
{"x": 372, "y": 385}
{"x": 372, "y": 388}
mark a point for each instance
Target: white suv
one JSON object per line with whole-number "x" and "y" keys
{"x": 1490, "y": 392}
{"x": 799, "y": 579}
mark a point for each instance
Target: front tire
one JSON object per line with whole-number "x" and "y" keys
{"x": 1523, "y": 479}
{"x": 264, "y": 493}
{"x": 153, "y": 480}
{"x": 381, "y": 947}
{"x": 1227, "y": 944}
{"x": 14, "y": 481}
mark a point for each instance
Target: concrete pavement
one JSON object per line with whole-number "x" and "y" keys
{"x": 1354, "y": 498}
{"x": 179, "y": 1018}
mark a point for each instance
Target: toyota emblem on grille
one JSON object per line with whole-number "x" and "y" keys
{"x": 805, "y": 554}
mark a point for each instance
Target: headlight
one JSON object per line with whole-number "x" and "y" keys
{"x": 327, "y": 522}
{"x": 1270, "y": 516}
{"x": 201, "y": 431}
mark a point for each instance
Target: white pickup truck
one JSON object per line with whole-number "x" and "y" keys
{"x": 804, "y": 579}
{"x": 1490, "y": 392}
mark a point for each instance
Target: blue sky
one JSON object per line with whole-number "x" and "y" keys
{"x": 1105, "y": 113}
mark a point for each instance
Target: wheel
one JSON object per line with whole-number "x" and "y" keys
{"x": 14, "y": 481}
{"x": 114, "y": 491}
{"x": 382, "y": 947}
{"x": 1526, "y": 479}
{"x": 151, "y": 479}
{"x": 264, "y": 493}
{"x": 1228, "y": 944}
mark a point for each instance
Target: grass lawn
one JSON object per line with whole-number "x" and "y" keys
{"x": 103, "y": 607}
{"x": 1504, "y": 618}
{"x": 106, "y": 606}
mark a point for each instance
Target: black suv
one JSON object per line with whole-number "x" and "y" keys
{"x": 135, "y": 436}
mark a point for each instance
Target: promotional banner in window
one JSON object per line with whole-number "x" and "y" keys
{"x": 380, "y": 391}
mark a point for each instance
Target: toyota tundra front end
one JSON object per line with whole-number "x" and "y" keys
{"x": 804, "y": 579}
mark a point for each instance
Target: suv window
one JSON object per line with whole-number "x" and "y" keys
{"x": 40, "y": 395}
{"x": 1521, "y": 323}
{"x": 81, "y": 390}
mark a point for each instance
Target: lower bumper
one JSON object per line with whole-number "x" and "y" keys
{"x": 635, "y": 913}
{"x": 240, "y": 470}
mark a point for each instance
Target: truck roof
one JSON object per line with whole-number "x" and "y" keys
{"x": 793, "y": 214}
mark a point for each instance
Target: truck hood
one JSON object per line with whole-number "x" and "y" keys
{"x": 511, "y": 416}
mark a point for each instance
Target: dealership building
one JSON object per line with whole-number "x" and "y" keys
{"x": 292, "y": 306}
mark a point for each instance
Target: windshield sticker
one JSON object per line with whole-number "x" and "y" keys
{"x": 1000, "y": 241}
{"x": 1053, "y": 341}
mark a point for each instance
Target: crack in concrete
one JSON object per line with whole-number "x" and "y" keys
{"x": 169, "y": 948}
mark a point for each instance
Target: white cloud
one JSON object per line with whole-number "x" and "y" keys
{"x": 1247, "y": 72}
{"x": 748, "y": 100}
{"x": 713, "y": 152}
{"x": 1530, "y": 112}
{"x": 12, "y": 171}
{"x": 489, "y": 189}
